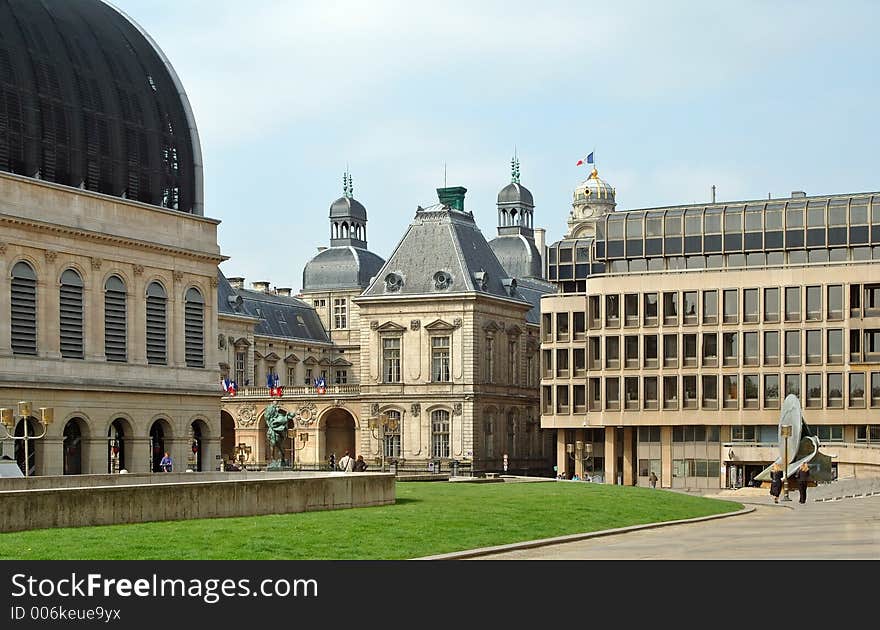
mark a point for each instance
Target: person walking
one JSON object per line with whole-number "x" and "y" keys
{"x": 653, "y": 479}
{"x": 360, "y": 465}
{"x": 346, "y": 462}
{"x": 803, "y": 479}
{"x": 166, "y": 464}
{"x": 775, "y": 482}
{"x": 332, "y": 461}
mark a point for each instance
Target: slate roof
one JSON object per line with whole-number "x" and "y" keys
{"x": 518, "y": 255}
{"x": 441, "y": 240}
{"x": 531, "y": 289}
{"x": 344, "y": 267}
{"x": 279, "y": 315}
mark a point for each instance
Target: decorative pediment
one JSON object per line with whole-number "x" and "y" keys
{"x": 241, "y": 342}
{"x": 391, "y": 327}
{"x": 438, "y": 325}
{"x": 514, "y": 330}
{"x": 258, "y": 354}
{"x": 272, "y": 357}
{"x": 491, "y": 327}
{"x": 340, "y": 362}
{"x": 310, "y": 360}
{"x": 291, "y": 358}
{"x": 324, "y": 361}
{"x": 224, "y": 366}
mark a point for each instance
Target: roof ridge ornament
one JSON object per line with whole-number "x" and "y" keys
{"x": 347, "y": 187}
{"x": 514, "y": 169}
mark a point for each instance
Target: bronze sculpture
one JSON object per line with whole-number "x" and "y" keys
{"x": 276, "y": 431}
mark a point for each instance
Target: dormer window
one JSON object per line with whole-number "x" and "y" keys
{"x": 393, "y": 282}
{"x": 442, "y": 280}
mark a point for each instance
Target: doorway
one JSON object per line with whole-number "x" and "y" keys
{"x": 339, "y": 429}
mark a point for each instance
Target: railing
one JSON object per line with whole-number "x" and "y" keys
{"x": 299, "y": 390}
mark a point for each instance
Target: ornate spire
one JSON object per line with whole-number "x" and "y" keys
{"x": 514, "y": 170}
{"x": 347, "y": 187}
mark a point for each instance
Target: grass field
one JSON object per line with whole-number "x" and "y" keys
{"x": 427, "y": 519}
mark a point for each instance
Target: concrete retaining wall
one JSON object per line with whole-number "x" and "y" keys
{"x": 37, "y": 504}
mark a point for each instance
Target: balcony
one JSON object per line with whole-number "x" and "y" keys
{"x": 294, "y": 392}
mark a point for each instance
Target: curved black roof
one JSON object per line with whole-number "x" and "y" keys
{"x": 516, "y": 193}
{"x": 348, "y": 207}
{"x": 344, "y": 267}
{"x": 87, "y": 99}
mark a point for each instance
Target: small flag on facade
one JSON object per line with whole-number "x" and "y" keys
{"x": 229, "y": 387}
{"x": 586, "y": 160}
{"x": 321, "y": 385}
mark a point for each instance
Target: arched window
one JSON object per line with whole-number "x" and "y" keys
{"x": 71, "y": 315}
{"x": 194, "y": 322}
{"x": 392, "y": 438}
{"x": 440, "y": 433}
{"x": 24, "y": 309}
{"x": 157, "y": 352}
{"x": 115, "y": 325}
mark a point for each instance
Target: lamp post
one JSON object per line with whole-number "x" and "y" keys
{"x": 303, "y": 437}
{"x": 785, "y": 431}
{"x": 588, "y": 456}
{"x": 378, "y": 426}
{"x": 7, "y": 417}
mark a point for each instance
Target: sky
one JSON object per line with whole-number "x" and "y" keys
{"x": 756, "y": 98}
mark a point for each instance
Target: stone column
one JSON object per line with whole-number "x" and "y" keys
{"x": 50, "y": 455}
{"x": 93, "y": 320}
{"x": 561, "y": 455}
{"x": 210, "y": 451}
{"x": 5, "y": 322}
{"x": 578, "y": 457}
{"x": 666, "y": 457}
{"x": 610, "y": 455}
{"x": 628, "y": 457}
{"x": 138, "y": 457}
{"x": 48, "y": 318}
{"x": 95, "y": 455}
{"x": 176, "y": 338}
{"x": 136, "y": 311}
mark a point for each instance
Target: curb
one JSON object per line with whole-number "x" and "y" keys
{"x": 544, "y": 542}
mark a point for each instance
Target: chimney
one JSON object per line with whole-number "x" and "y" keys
{"x": 261, "y": 286}
{"x": 798, "y": 194}
{"x": 452, "y": 197}
{"x": 540, "y": 239}
{"x": 713, "y": 193}
{"x": 237, "y": 282}
{"x": 285, "y": 291}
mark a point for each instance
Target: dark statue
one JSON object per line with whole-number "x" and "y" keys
{"x": 276, "y": 432}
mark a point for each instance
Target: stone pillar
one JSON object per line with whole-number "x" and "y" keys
{"x": 5, "y": 322}
{"x": 579, "y": 457}
{"x": 93, "y": 305}
{"x": 48, "y": 318}
{"x": 138, "y": 456}
{"x": 210, "y": 451}
{"x": 561, "y": 454}
{"x": 666, "y": 457}
{"x": 136, "y": 310}
{"x": 176, "y": 338}
{"x": 49, "y": 454}
{"x": 610, "y": 455}
{"x": 628, "y": 457}
{"x": 95, "y": 456}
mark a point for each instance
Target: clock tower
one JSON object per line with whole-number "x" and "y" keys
{"x": 593, "y": 199}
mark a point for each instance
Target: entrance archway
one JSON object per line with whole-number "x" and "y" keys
{"x": 198, "y": 433}
{"x": 33, "y": 429}
{"x": 159, "y": 432}
{"x": 339, "y": 433}
{"x": 118, "y": 445}
{"x": 227, "y": 436}
{"x": 72, "y": 446}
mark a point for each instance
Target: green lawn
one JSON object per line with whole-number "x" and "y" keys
{"x": 427, "y": 519}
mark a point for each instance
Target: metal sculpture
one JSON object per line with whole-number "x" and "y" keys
{"x": 797, "y": 445}
{"x": 276, "y": 432}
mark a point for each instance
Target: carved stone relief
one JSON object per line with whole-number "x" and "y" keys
{"x": 415, "y": 324}
{"x": 415, "y": 410}
{"x": 247, "y": 415}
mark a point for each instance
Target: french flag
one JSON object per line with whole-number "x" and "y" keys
{"x": 229, "y": 387}
{"x": 586, "y": 160}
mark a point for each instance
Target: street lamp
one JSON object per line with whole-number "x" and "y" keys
{"x": 7, "y": 417}
{"x": 243, "y": 453}
{"x": 303, "y": 437}
{"x": 785, "y": 431}
{"x": 379, "y": 425}
{"x": 580, "y": 452}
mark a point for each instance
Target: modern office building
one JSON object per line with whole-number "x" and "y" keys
{"x": 677, "y": 331}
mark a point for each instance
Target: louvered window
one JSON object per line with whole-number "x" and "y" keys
{"x": 71, "y": 312}
{"x": 115, "y": 338}
{"x": 156, "y": 325}
{"x": 195, "y": 329}
{"x": 24, "y": 309}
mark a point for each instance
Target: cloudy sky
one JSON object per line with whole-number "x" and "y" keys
{"x": 756, "y": 98}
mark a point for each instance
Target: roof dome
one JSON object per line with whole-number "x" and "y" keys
{"x": 348, "y": 207}
{"x": 518, "y": 255}
{"x": 92, "y": 102}
{"x": 341, "y": 268}
{"x": 516, "y": 193}
{"x": 594, "y": 190}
